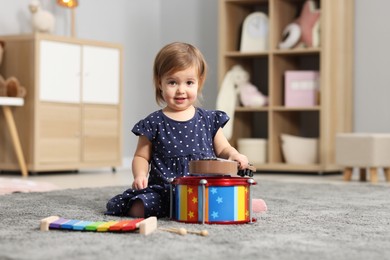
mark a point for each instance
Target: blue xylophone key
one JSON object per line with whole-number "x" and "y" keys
{"x": 57, "y": 224}
{"x": 69, "y": 224}
{"x": 81, "y": 225}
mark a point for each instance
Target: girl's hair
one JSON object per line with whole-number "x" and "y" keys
{"x": 174, "y": 57}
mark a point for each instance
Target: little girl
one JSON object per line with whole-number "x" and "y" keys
{"x": 171, "y": 137}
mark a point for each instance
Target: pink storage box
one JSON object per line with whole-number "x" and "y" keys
{"x": 301, "y": 88}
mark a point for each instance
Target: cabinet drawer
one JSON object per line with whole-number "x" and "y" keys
{"x": 59, "y": 133}
{"x": 101, "y": 136}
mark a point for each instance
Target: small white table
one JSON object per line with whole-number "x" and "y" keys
{"x": 6, "y": 103}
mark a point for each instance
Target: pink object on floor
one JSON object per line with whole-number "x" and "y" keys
{"x": 12, "y": 185}
{"x": 259, "y": 206}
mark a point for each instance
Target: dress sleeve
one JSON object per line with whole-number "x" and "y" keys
{"x": 143, "y": 127}
{"x": 220, "y": 119}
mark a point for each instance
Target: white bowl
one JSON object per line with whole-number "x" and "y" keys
{"x": 254, "y": 148}
{"x": 299, "y": 150}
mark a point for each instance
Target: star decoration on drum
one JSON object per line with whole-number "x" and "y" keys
{"x": 214, "y": 215}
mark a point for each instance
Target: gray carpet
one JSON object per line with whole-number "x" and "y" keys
{"x": 304, "y": 221}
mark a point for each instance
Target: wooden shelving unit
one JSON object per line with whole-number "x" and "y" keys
{"x": 333, "y": 59}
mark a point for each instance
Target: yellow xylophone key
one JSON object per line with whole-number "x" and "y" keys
{"x": 105, "y": 226}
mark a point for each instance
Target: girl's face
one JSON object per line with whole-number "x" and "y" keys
{"x": 180, "y": 90}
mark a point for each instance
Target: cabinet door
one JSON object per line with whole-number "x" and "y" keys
{"x": 59, "y": 134}
{"x": 101, "y": 75}
{"x": 59, "y": 72}
{"x": 101, "y": 140}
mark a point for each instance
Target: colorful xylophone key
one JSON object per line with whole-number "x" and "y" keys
{"x": 105, "y": 226}
{"x": 146, "y": 226}
{"x": 69, "y": 225}
{"x": 93, "y": 226}
{"x": 125, "y": 225}
{"x": 81, "y": 225}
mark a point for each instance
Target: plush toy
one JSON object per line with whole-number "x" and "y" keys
{"x": 42, "y": 20}
{"x": 10, "y": 87}
{"x": 236, "y": 83}
{"x": 249, "y": 94}
{"x": 305, "y": 30}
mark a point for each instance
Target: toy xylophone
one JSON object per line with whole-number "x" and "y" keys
{"x": 145, "y": 226}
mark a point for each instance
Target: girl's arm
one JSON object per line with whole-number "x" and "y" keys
{"x": 224, "y": 150}
{"x": 140, "y": 165}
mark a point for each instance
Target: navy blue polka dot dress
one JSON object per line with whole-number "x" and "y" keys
{"x": 174, "y": 144}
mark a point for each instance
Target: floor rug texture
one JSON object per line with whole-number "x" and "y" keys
{"x": 303, "y": 221}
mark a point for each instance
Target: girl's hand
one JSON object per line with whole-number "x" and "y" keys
{"x": 140, "y": 183}
{"x": 242, "y": 160}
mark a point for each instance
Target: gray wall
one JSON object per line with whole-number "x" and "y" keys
{"x": 144, "y": 26}
{"x": 372, "y": 66}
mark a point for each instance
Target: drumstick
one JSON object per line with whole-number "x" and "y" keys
{"x": 180, "y": 231}
{"x": 203, "y": 233}
{"x": 183, "y": 231}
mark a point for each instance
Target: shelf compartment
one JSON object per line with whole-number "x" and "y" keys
{"x": 239, "y": 10}
{"x": 249, "y": 124}
{"x": 283, "y": 63}
{"x": 304, "y": 123}
{"x": 284, "y": 12}
{"x": 257, "y": 68}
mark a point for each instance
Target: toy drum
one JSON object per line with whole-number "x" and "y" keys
{"x": 211, "y": 200}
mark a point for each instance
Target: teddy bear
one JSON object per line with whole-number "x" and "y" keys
{"x": 237, "y": 89}
{"x": 11, "y": 86}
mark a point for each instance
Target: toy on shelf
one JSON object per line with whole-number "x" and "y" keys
{"x": 145, "y": 226}
{"x": 305, "y": 30}
{"x": 236, "y": 82}
{"x": 301, "y": 88}
{"x": 11, "y": 86}
{"x": 42, "y": 21}
{"x": 254, "y": 37}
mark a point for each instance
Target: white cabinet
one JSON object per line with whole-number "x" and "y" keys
{"x": 72, "y": 116}
{"x": 101, "y": 70}
{"x": 59, "y": 72}
{"x": 68, "y": 71}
